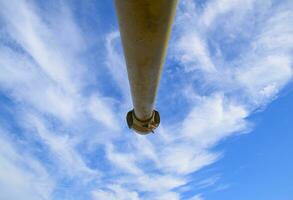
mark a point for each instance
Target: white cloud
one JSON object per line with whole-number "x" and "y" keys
{"x": 115, "y": 192}
{"x": 99, "y": 108}
{"x": 192, "y": 51}
{"x": 62, "y": 148}
{"x": 212, "y": 119}
{"x": 116, "y": 64}
{"x": 167, "y": 196}
{"x": 215, "y": 9}
{"x": 185, "y": 158}
{"x": 125, "y": 161}
{"x": 83, "y": 130}
{"x": 265, "y": 77}
{"x": 22, "y": 176}
{"x": 190, "y": 46}
{"x": 156, "y": 184}
{"x": 196, "y": 197}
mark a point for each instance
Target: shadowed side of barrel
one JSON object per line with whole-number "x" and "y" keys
{"x": 145, "y": 27}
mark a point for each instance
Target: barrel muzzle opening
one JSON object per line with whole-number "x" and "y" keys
{"x": 143, "y": 127}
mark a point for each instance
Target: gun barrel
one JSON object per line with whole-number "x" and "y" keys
{"x": 145, "y": 27}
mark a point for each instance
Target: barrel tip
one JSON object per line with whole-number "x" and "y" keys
{"x": 143, "y": 127}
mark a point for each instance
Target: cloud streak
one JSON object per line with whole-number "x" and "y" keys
{"x": 77, "y": 145}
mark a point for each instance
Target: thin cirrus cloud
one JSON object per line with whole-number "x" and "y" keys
{"x": 63, "y": 131}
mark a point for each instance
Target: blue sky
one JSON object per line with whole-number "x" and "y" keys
{"x": 225, "y": 100}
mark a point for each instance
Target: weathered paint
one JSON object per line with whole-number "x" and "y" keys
{"x": 145, "y": 27}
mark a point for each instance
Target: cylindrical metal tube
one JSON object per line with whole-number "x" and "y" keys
{"x": 145, "y": 27}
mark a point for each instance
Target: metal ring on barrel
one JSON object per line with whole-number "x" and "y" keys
{"x": 143, "y": 127}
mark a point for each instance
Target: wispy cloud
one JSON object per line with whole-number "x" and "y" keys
{"x": 79, "y": 146}
{"x": 22, "y": 176}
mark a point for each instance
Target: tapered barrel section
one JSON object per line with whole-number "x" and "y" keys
{"x": 145, "y": 27}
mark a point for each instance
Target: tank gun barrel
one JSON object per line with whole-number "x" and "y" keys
{"x": 145, "y": 27}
